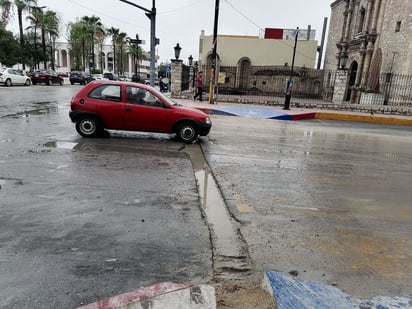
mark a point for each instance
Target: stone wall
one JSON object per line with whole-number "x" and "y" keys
{"x": 396, "y": 45}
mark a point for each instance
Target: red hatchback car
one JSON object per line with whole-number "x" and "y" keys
{"x": 116, "y": 105}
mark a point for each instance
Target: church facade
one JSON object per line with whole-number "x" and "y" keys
{"x": 370, "y": 51}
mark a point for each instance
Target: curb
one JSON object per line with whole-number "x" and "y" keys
{"x": 291, "y": 293}
{"x": 165, "y": 295}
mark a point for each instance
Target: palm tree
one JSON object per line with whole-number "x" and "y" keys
{"x": 114, "y": 33}
{"x": 137, "y": 52}
{"x": 100, "y": 37}
{"x": 96, "y": 28}
{"x": 36, "y": 20}
{"x": 51, "y": 29}
{"x": 22, "y": 6}
{"x": 78, "y": 38}
{"x": 121, "y": 41}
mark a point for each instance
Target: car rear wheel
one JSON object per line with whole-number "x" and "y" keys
{"x": 187, "y": 132}
{"x": 50, "y": 82}
{"x": 27, "y": 83}
{"x": 88, "y": 126}
{"x": 61, "y": 83}
{"x": 8, "y": 82}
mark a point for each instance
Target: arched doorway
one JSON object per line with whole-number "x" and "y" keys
{"x": 244, "y": 66}
{"x": 352, "y": 79}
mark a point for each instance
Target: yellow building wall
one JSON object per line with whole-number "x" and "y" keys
{"x": 261, "y": 52}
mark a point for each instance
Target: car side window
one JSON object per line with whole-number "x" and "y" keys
{"x": 106, "y": 92}
{"x": 139, "y": 96}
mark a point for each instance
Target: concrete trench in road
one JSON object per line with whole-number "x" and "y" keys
{"x": 230, "y": 254}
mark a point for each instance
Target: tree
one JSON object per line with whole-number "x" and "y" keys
{"x": 35, "y": 20}
{"x": 78, "y": 38}
{"x": 121, "y": 42}
{"x": 22, "y": 5}
{"x": 114, "y": 33}
{"x": 96, "y": 30}
{"x": 51, "y": 30}
{"x": 9, "y": 48}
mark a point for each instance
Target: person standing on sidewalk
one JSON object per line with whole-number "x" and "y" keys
{"x": 199, "y": 86}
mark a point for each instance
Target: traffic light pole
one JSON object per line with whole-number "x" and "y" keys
{"x": 151, "y": 14}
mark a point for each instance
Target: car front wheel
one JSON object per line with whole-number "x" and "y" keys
{"x": 88, "y": 126}
{"x": 8, "y": 82}
{"x": 187, "y": 132}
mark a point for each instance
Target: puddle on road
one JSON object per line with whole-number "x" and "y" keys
{"x": 60, "y": 144}
{"x": 229, "y": 250}
{"x": 230, "y": 253}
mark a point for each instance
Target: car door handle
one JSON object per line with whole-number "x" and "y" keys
{"x": 127, "y": 109}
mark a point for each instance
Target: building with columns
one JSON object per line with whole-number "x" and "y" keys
{"x": 103, "y": 60}
{"x": 370, "y": 49}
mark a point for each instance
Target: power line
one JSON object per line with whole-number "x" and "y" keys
{"x": 106, "y": 15}
{"x": 243, "y": 15}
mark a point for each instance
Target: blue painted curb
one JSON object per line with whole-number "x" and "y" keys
{"x": 294, "y": 293}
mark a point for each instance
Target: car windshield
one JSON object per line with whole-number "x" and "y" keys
{"x": 164, "y": 98}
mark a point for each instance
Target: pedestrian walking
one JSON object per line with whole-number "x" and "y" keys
{"x": 199, "y": 86}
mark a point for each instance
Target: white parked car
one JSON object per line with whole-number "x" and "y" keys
{"x": 99, "y": 77}
{"x": 9, "y": 77}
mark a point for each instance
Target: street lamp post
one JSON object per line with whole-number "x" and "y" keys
{"x": 177, "y": 50}
{"x": 195, "y": 68}
{"x": 191, "y": 72}
{"x": 289, "y": 87}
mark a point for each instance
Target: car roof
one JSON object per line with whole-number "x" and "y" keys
{"x": 121, "y": 82}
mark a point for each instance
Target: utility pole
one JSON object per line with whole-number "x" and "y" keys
{"x": 289, "y": 87}
{"x": 151, "y": 14}
{"x": 213, "y": 71}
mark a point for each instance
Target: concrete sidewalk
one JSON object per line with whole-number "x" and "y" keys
{"x": 294, "y": 114}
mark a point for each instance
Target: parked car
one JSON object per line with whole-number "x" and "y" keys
{"x": 48, "y": 77}
{"x": 110, "y": 76}
{"x": 156, "y": 81}
{"x": 99, "y": 77}
{"x": 80, "y": 77}
{"x": 9, "y": 77}
{"x": 125, "y": 78}
{"x": 136, "y": 78}
{"x": 117, "y": 105}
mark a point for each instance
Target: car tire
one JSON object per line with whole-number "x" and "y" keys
{"x": 187, "y": 132}
{"x": 8, "y": 82}
{"x": 28, "y": 82}
{"x": 50, "y": 82}
{"x": 88, "y": 126}
{"x": 34, "y": 83}
{"x": 61, "y": 83}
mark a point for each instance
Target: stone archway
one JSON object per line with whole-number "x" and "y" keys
{"x": 244, "y": 68}
{"x": 352, "y": 79}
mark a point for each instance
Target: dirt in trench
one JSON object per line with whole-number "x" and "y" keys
{"x": 242, "y": 295}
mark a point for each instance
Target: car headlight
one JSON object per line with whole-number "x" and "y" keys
{"x": 208, "y": 121}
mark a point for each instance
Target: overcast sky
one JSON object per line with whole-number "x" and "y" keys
{"x": 180, "y": 21}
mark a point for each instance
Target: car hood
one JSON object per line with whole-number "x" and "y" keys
{"x": 192, "y": 111}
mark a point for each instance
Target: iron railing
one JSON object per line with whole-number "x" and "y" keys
{"x": 260, "y": 82}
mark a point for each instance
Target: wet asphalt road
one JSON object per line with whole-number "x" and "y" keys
{"x": 84, "y": 219}
{"x": 329, "y": 201}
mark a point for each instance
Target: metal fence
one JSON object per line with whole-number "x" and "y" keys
{"x": 263, "y": 82}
